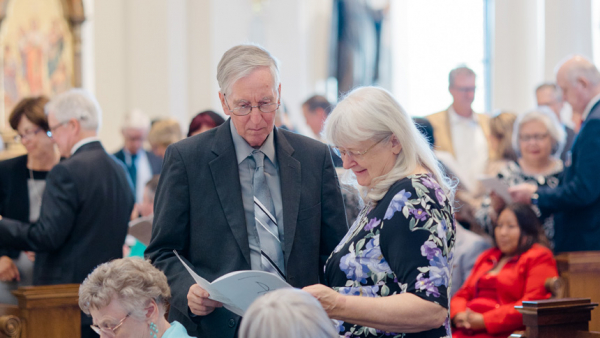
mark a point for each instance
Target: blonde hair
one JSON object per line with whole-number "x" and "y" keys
{"x": 501, "y": 127}
{"x": 372, "y": 113}
{"x": 132, "y": 281}
{"x": 164, "y": 133}
{"x": 289, "y": 313}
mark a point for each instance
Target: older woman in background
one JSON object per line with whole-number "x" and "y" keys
{"x": 22, "y": 184}
{"x": 390, "y": 274}
{"x": 204, "y": 121}
{"x": 162, "y": 134}
{"x": 128, "y": 297}
{"x": 289, "y": 313}
{"x": 538, "y": 139}
{"x": 513, "y": 271}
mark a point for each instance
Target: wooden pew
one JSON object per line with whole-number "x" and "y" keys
{"x": 581, "y": 271}
{"x": 554, "y": 318}
{"x": 44, "y": 311}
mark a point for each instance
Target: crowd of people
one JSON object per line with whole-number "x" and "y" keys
{"x": 406, "y": 242}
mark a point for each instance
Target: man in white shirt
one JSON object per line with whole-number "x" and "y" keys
{"x": 141, "y": 164}
{"x": 460, "y": 131}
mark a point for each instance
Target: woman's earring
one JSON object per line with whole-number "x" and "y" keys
{"x": 153, "y": 330}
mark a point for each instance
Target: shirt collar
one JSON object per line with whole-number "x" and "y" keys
{"x": 243, "y": 149}
{"x": 590, "y": 105}
{"x": 455, "y": 118}
{"x": 83, "y": 142}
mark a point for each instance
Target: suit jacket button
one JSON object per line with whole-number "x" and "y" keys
{"x": 231, "y": 322}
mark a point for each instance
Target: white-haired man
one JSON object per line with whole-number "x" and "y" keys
{"x": 549, "y": 94}
{"x": 141, "y": 164}
{"x": 576, "y": 201}
{"x": 243, "y": 196}
{"x": 460, "y": 131}
{"x": 86, "y": 204}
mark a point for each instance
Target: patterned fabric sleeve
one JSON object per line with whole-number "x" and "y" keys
{"x": 416, "y": 235}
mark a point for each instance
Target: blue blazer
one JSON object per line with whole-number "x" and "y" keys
{"x": 576, "y": 201}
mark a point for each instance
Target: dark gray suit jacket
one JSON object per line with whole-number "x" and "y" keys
{"x": 199, "y": 212}
{"x": 83, "y": 220}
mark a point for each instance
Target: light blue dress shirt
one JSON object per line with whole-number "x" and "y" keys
{"x": 246, "y": 167}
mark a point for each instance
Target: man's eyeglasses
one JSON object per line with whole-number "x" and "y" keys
{"x": 245, "y": 109}
{"x": 107, "y": 330}
{"x": 51, "y": 131}
{"x": 355, "y": 154}
{"x": 464, "y": 89}
{"x": 27, "y": 135}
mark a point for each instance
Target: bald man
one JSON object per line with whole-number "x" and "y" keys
{"x": 576, "y": 201}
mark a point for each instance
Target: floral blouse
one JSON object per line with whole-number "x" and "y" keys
{"x": 403, "y": 244}
{"x": 513, "y": 175}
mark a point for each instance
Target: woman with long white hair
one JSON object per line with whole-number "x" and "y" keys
{"x": 390, "y": 275}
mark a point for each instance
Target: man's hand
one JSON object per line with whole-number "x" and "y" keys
{"x": 8, "y": 270}
{"x": 331, "y": 300}
{"x": 522, "y": 193}
{"x": 199, "y": 303}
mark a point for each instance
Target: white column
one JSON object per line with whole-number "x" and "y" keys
{"x": 177, "y": 61}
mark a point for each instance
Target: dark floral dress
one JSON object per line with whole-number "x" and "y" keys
{"x": 404, "y": 244}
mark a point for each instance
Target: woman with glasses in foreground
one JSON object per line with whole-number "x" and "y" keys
{"x": 128, "y": 297}
{"x": 22, "y": 184}
{"x": 390, "y": 274}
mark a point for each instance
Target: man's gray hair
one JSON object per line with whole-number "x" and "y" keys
{"x": 548, "y": 118}
{"x": 79, "y": 104}
{"x": 136, "y": 119}
{"x": 553, "y": 86}
{"x": 459, "y": 70}
{"x": 240, "y": 61}
{"x": 585, "y": 69}
{"x": 289, "y": 313}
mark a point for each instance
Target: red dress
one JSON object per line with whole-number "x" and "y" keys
{"x": 495, "y": 296}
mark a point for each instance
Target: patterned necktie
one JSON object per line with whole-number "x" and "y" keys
{"x": 266, "y": 224}
{"x": 131, "y": 168}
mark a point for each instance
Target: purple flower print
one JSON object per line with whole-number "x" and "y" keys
{"x": 430, "y": 250}
{"x": 441, "y": 197}
{"x": 424, "y": 284}
{"x": 365, "y": 291}
{"x": 398, "y": 202}
{"x": 373, "y": 257}
{"x": 439, "y": 271}
{"x": 373, "y": 223}
{"x": 352, "y": 267}
{"x": 419, "y": 214}
{"x": 429, "y": 182}
{"x": 442, "y": 229}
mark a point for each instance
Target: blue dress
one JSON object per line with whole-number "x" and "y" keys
{"x": 176, "y": 331}
{"x": 402, "y": 245}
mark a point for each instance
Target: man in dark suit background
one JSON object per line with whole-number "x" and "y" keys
{"x": 141, "y": 164}
{"x": 86, "y": 204}
{"x": 576, "y": 201}
{"x": 206, "y": 204}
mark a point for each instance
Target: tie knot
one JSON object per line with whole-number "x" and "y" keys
{"x": 133, "y": 156}
{"x": 259, "y": 158}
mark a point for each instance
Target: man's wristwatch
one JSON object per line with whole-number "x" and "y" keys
{"x": 534, "y": 199}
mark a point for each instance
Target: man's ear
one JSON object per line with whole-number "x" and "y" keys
{"x": 223, "y": 104}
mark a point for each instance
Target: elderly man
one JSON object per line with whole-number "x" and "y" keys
{"x": 549, "y": 94}
{"x": 461, "y": 132}
{"x": 86, "y": 205}
{"x": 243, "y": 196}
{"x": 576, "y": 201}
{"x": 141, "y": 164}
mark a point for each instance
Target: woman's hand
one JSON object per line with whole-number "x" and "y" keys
{"x": 460, "y": 320}
{"x": 475, "y": 320}
{"x": 331, "y": 301}
{"x": 8, "y": 270}
{"x": 497, "y": 203}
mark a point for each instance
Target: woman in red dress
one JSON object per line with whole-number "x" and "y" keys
{"x": 513, "y": 271}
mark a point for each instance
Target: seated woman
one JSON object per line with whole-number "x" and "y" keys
{"x": 538, "y": 139}
{"x": 128, "y": 297}
{"x": 390, "y": 274}
{"x": 513, "y": 271}
{"x": 289, "y": 313}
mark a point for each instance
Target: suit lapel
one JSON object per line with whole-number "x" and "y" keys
{"x": 448, "y": 133}
{"x": 289, "y": 175}
{"x": 226, "y": 177}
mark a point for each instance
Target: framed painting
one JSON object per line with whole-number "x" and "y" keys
{"x": 40, "y": 50}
